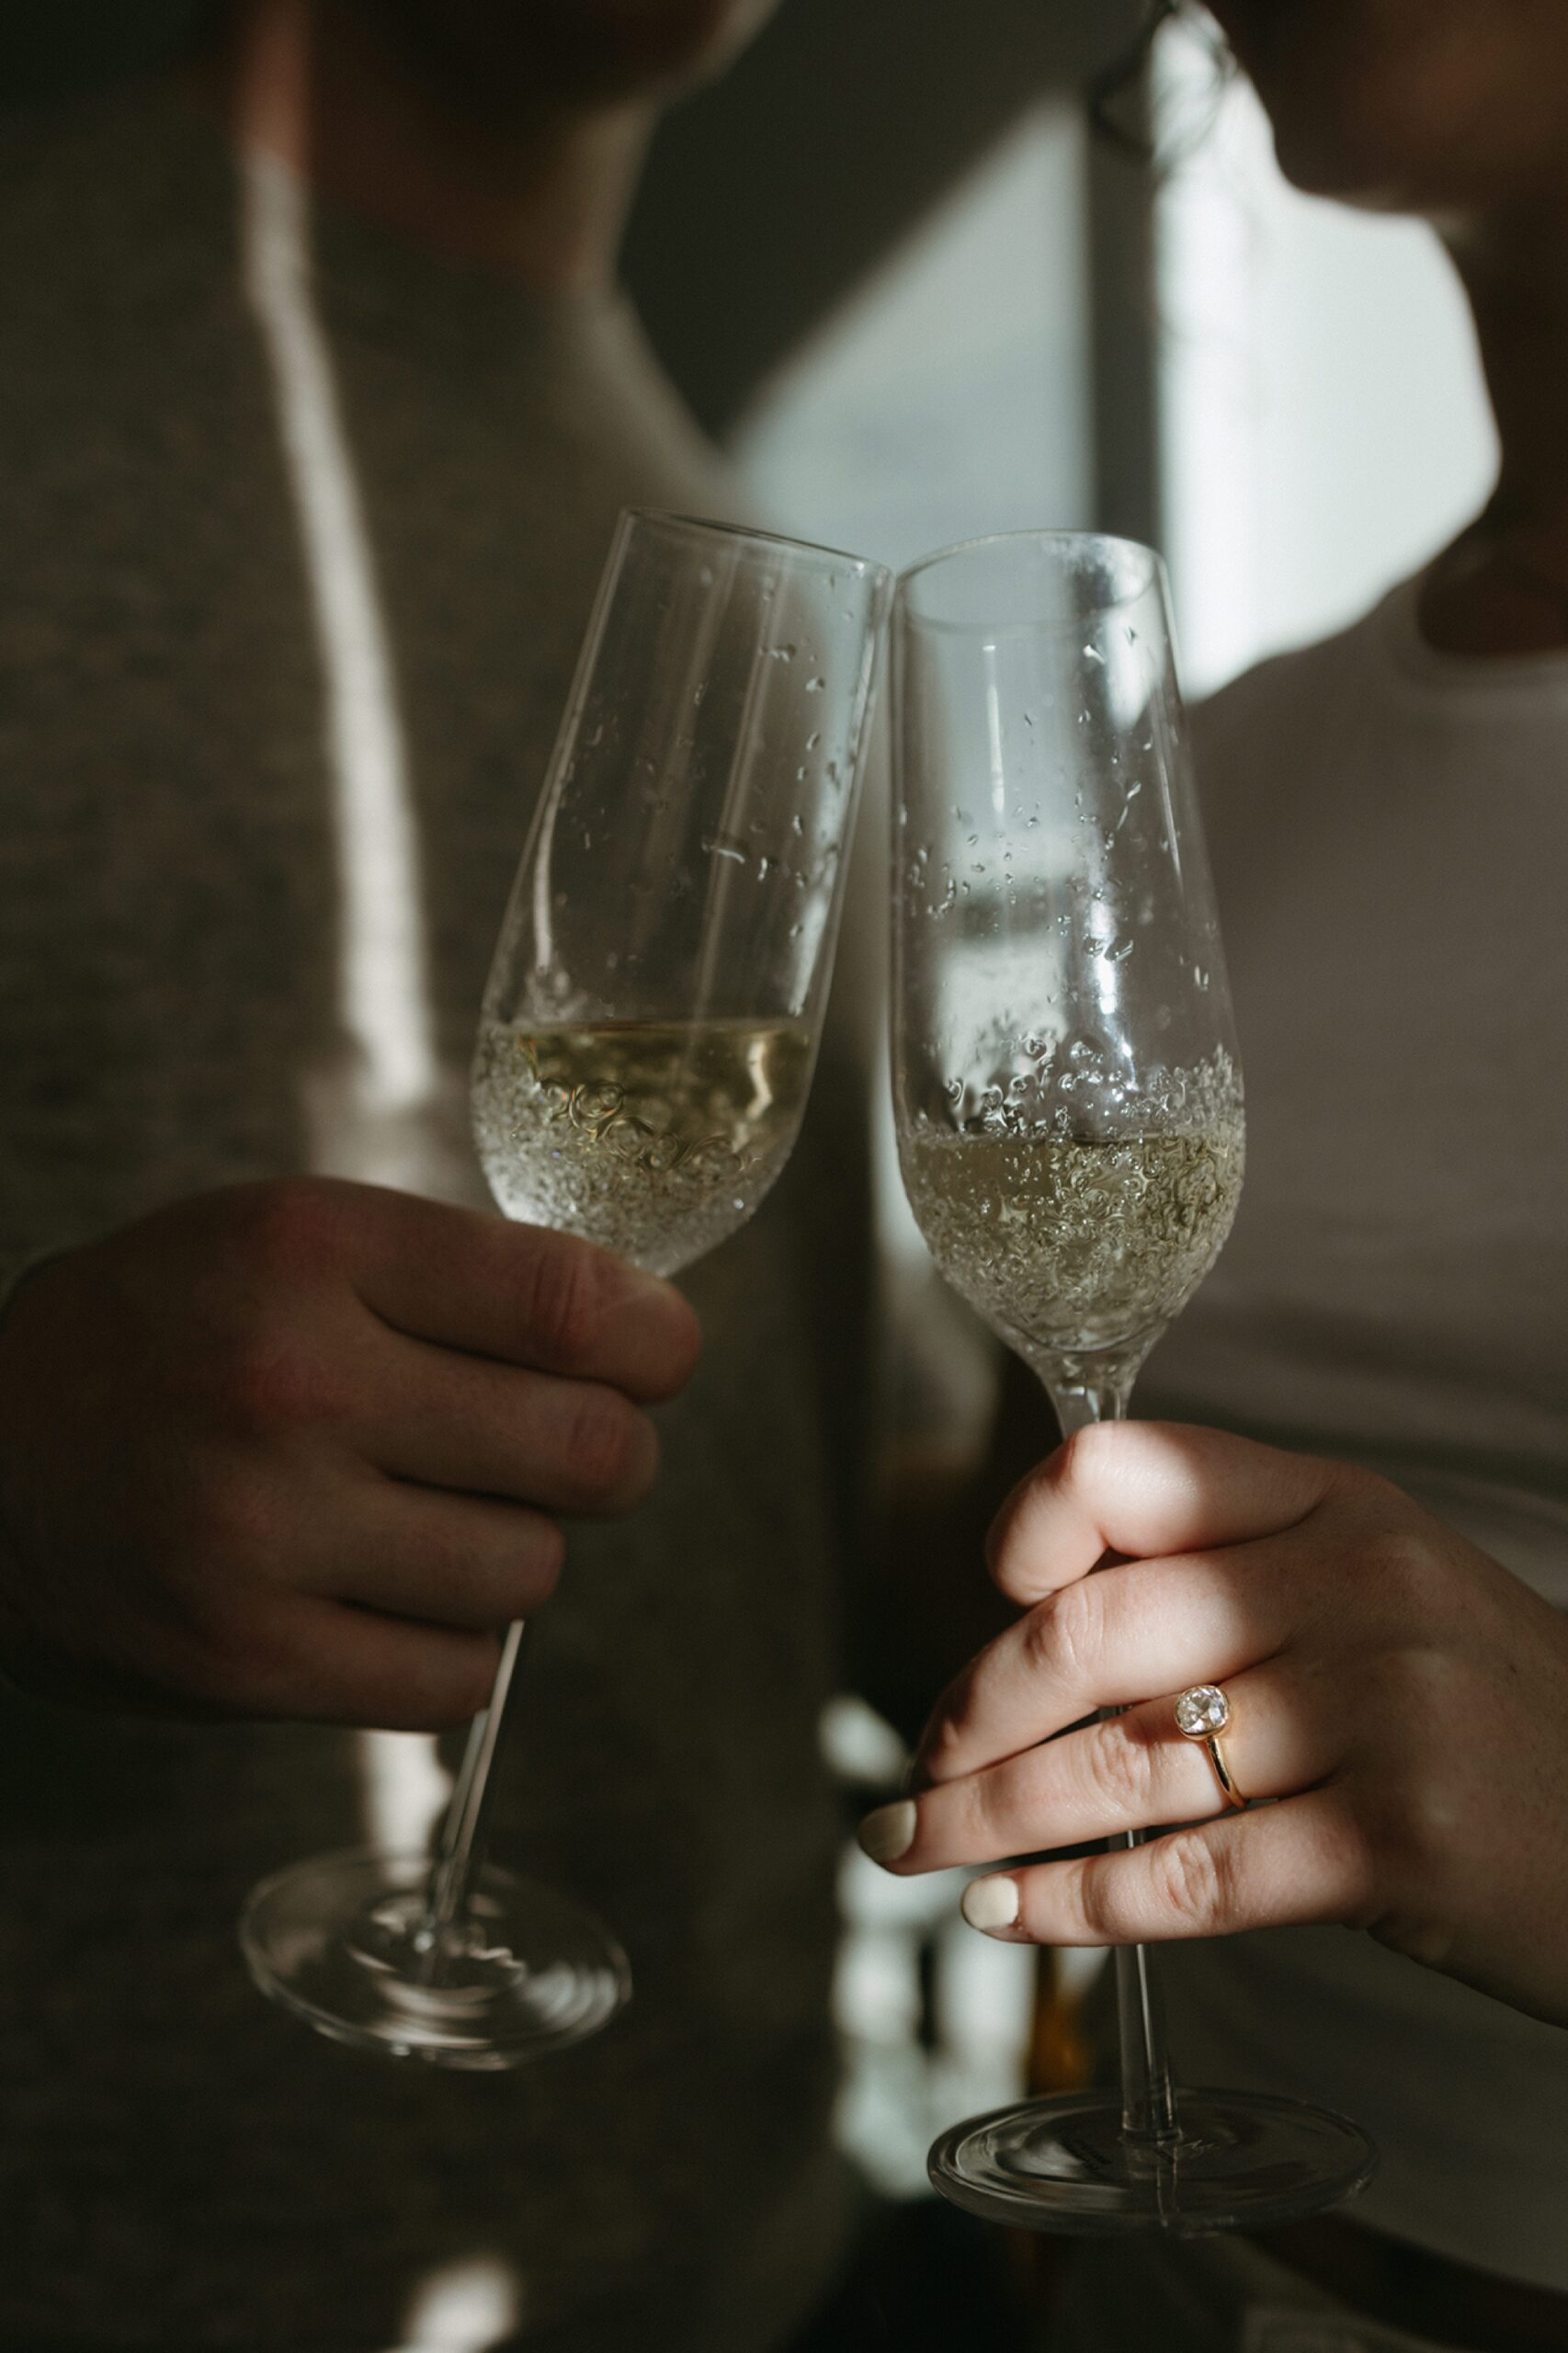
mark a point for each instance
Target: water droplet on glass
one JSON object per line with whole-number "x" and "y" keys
{"x": 797, "y": 824}
{"x": 1093, "y": 653}
{"x": 815, "y": 686}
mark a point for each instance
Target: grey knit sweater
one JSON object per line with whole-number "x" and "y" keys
{"x": 179, "y": 2164}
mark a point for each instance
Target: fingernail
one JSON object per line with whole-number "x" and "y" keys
{"x": 991, "y": 1904}
{"x": 889, "y": 1833}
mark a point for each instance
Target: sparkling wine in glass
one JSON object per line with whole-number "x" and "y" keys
{"x": 643, "y": 1059}
{"x": 1068, "y": 1103}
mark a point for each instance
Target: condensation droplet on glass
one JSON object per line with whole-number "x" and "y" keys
{"x": 813, "y": 741}
{"x": 1093, "y": 653}
{"x": 797, "y": 824}
{"x": 815, "y": 686}
{"x": 953, "y": 1090}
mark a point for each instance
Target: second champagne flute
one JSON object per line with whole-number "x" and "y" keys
{"x": 1068, "y": 1104}
{"x": 644, "y": 1054}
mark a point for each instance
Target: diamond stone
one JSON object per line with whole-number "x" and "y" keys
{"x": 1202, "y": 1710}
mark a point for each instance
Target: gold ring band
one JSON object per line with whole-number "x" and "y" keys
{"x": 1203, "y": 1713}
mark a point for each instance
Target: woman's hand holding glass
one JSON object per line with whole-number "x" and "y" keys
{"x": 1402, "y": 1697}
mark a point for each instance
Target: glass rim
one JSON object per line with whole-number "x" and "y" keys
{"x": 710, "y": 526}
{"x": 1044, "y": 536}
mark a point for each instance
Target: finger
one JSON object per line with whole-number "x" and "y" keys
{"x": 460, "y": 1561}
{"x": 521, "y": 1294}
{"x": 1286, "y": 1865}
{"x": 493, "y": 1430}
{"x": 320, "y": 1663}
{"x": 1108, "y": 1641}
{"x": 1133, "y": 1772}
{"x": 1144, "y": 1488}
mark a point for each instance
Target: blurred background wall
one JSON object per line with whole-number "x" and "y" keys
{"x": 888, "y": 266}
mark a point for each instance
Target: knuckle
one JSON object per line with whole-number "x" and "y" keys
{"x": 293, "y": 1228}
{"x": 994, "y": 1803}
{"x": 1074, "y": 1644}
{"x": 1082, "y": 1458}
{"x": 1403, "y": 1562}
{"x": 563, "y": 1298}
{"x": 942, "y": 1746}
{"x": 269, "y": 1382}
{"x": 1119, "y": 1768}
{"x": 229, "y": 1522}
{"x": 245, "y": 1659}
{"x": 1192, "y": 1882}
{"x": 607, "y": 1444}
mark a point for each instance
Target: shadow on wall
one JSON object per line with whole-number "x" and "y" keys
{"x": 769, "y": 196}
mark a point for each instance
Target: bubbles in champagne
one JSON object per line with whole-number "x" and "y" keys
{"x": 1072, "y": 1244}
{"x": 656, "y": 1139}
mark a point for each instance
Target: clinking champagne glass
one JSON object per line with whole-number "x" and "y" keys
{"x": 644, "y": 1054}
{"x": 1068, "y": 1103}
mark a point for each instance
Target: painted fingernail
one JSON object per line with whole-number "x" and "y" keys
{"x": 889, "y": 1833}
{"x": 991, "y": 1904}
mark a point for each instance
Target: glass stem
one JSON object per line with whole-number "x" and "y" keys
{"x": 460, "y": 1853}
{"x": 1148, "y": 2094}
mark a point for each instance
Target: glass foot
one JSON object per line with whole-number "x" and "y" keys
{"x": 1242, "y": 2160}
{"x": 343, "y": 1942}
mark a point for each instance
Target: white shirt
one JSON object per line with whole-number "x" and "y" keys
{"x": 1390, "y": 834}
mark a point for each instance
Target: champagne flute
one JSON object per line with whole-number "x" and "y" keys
{"x": 1068, "y": 1102}
{"x": 644, "y": 1053}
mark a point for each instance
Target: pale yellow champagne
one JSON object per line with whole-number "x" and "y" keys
{"x": 1068, "y": 1247}
{"x": 657, "y": 1138}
